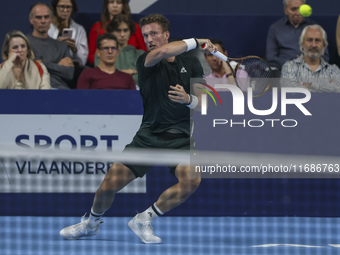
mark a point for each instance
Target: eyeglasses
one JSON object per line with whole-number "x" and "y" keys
{"x": 107, "y": 49}
{"x": 63, "y": 7}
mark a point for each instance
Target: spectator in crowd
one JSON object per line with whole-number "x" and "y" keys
{"x": 338, "y": 35}
{"x": 310, "y": 70}
{"x": 122, "y": 26}
{"x": 221, "y": 72}
{"x": 105, "y": 75}
{"x": 20, "y": 71}
{"x": 54, "y": 54}
{"x": 77, "y": 43}
{"x": 283, "y": 35}
{"x": 110, "y": 9}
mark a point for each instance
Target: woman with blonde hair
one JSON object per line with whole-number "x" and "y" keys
{"x": 19, "y": 70}
{"x": 112, "y": 8}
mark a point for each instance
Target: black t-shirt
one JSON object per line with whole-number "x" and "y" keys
{"x": 160, "y": 113}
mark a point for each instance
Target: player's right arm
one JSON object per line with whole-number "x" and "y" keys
{"x": 166, "y": 51}
{"x": 173, "y": 49}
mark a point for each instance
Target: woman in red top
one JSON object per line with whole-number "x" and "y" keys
{"x": 110, "y": 9}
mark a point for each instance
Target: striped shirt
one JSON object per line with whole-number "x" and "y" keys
{"x": 326, "y": 78}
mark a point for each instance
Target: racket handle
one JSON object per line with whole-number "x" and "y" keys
{"x": 217, "y": 53}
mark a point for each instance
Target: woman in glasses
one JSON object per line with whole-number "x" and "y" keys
{"x": 66, "y": 29}
{"x": 19, "y": 71}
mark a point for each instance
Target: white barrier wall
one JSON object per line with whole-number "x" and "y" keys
{"x": 67, "y": 133}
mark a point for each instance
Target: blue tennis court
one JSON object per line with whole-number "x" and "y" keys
{"x": 241, "y": 216}
{"x": 180, "y": 235}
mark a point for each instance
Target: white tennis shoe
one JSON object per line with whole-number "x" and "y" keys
{"x": 143, "y": 230}
{"x": 81, "y": 229}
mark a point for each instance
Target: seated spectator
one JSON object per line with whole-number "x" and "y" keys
{"x": 54, "y": 54}
{"x": 283, "y": 36}
{"x": 105, "y": 75}
{"x": 19, "y": 71}
{"x": 62, "y": 11}
{"x": 220, "y": 70}
{"x": 310, "y": 70}
{"x": 110, "y": 9}
{"x": 122, "y": 26}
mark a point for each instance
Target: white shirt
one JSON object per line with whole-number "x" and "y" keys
{"x": 80, "y": 36}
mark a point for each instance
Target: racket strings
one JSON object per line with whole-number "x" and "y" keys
{"x": 255, "y": 73}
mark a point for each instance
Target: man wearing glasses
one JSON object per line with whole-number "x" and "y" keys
{"x": 105, "y": 75}
{"x": 52, "y": 53}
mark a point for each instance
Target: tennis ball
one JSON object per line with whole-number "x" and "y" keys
{"x": 305, "y": 10}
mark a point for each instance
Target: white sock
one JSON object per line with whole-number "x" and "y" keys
{"x": 150, "y": 214}
{"x": 94, "y": 219}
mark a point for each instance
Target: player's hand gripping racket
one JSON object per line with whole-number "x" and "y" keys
{"x": 250, "y": 71}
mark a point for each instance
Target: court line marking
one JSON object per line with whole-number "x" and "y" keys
{"x": 287, "y": 245}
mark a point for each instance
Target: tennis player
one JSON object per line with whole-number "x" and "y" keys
{"x": 164, "y": 78}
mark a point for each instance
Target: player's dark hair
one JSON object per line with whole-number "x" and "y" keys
{"x": 156, "y": 18}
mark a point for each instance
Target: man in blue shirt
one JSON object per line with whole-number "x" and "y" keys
{"x": 283, "y": 35}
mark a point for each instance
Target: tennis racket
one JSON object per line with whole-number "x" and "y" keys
{"x": 250, "y": 72}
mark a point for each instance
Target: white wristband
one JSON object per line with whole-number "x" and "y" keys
{"x": 193, "y": 102}
{"x": 191, "y": 44}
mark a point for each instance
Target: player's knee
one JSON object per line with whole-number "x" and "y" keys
{"x": 109, "y": 186}
{"x": 195, "y": 183}
{"x": 116, "y": 178}
{"x": 191, "y": 185}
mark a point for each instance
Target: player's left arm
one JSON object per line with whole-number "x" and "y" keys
{"x": 198, "y": 91}
{"x": 192, "y": 100}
